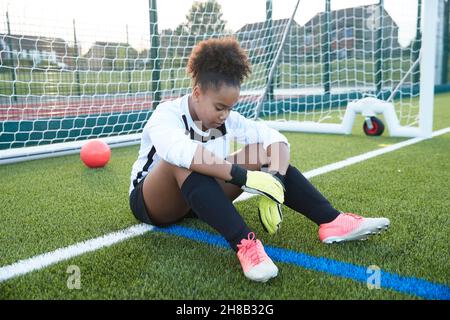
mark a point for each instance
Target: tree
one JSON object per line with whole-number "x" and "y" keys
{"x": 204, "y": 18}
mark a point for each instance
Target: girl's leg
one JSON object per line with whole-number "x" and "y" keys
{"x": 304, "y": 198}
{"x": 300, "y": 195}
{"x": 162, "y": 195}
{"x": 162, "y": 186}
{"x": 334, "y": 226}
{"x": 169, "y": 192}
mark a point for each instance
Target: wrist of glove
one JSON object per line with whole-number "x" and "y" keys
{"x": 257, "y": 182}
{"x": 280, "y": 177}
{"x": 238, "y": 175}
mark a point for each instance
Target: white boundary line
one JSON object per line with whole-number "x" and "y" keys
{"x": 44, "y": 260}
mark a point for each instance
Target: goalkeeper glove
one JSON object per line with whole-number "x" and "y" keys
{"x": 257, "y": 182}
{"x": 270, "y": 214}
{"x": 269, "y": 211}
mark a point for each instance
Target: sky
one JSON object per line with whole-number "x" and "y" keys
{"x": 107, "y": 20}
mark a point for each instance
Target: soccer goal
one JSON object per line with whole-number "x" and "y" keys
{"x": 315, "y": 66}
{"x": 348, "y": 61}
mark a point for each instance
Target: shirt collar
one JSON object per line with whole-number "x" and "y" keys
{"x": 191, "y": 123}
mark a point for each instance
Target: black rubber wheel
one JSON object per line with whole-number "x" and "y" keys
{"x": 377, "y": 127}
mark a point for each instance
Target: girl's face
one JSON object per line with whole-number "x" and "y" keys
{"x": 213, "y": 106}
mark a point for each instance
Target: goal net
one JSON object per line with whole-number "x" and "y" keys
{"x": 315, "y": 65}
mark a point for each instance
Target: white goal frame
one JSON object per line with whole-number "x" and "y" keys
{"x": 371, "y": 106}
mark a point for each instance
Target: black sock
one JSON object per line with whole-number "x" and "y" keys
{"x": 303, "y": 197}
{"x": 211, "y": 205}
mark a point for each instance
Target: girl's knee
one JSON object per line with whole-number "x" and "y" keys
{"x": 179, "y": 173}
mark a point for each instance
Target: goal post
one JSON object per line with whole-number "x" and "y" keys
{"x": 405, "y": 99}
{"x": 315, "y": 67}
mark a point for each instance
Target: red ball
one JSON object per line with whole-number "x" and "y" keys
{"x": 95, "y": 153}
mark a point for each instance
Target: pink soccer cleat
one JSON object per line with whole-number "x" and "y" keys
{"x": 349, "y": 226}
{"x": 255, "y": 262}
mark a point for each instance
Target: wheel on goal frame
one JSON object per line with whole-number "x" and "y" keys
{"x": 373, "y": 126}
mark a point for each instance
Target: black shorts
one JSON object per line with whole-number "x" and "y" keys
{"x": 137, "y": 204}
{"x": 139, "y": 209}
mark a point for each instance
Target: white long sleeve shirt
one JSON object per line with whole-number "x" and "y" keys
{"x": 171, "y": 134}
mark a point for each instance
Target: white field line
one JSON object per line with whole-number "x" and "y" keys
{"x": 44, "y": 260}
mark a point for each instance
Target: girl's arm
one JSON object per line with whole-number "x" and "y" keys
{"x": 274, "y": 143}
{"x": 257, "y": 182}
{"x": 279, "y": 157}
{"x": 205, "y": 162}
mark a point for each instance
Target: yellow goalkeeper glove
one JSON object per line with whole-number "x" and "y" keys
{"x": 270, "y": 214}
{"x": 257, "y": 182}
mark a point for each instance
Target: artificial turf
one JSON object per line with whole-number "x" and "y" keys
{"x": 52, "y": 203}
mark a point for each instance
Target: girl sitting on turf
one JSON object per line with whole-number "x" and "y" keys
{"x": 184, "y": 167}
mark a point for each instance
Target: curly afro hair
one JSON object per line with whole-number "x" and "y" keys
{"x": 215, "y": 62}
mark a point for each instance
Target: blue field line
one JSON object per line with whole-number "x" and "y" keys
{"x": 409, "y": 285}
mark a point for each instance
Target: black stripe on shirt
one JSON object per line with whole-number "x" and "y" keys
{"x": 185, "y": 122}
{"x": 146, "y": 166}
{"x": 194, "y": 136}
